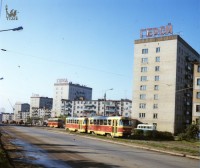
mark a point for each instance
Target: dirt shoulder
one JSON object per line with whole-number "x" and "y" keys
{"x": 14, "y": 156}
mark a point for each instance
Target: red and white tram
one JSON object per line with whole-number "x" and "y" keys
{"x": 55, "y": 122}
{"x": 115, "y": 126}
{"x": 76, "y": 124}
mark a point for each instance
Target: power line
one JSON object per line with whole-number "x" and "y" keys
{"x": 1, "y": 8}
{"x": 62, "y": 62}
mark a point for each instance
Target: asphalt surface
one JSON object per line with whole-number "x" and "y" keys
{"x": 56, "y": 149}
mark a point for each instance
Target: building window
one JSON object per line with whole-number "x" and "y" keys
{"x": 156, "y": 87}
{"x": 143, "y": 69}
{"x": 157, "y": 59}
{"x": 141, "y": 115}
{"x": 145, "y": 51}
{"x": 197, "y": 108}
{"x": 157, "y": 68}
{"x": 143, "y": 87}
{"x": 198, "y": 95}
{"x": 142, "y": 96}
{"x": 155, "y": 115}
{"x": 155, "y": 106}
{"x": 144, "y": 60}
{"x": 143, "y": 78}
{"x": 198, "y": 68}
{"x": 157, "y": 49}
{"x": 156, "y": 97}
{"x": 156, "y": 78}
{"x": 198, "y": 81}
{"x": 142, "y": 106}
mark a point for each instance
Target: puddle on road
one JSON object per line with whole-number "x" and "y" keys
{"x": 38, "y": 156}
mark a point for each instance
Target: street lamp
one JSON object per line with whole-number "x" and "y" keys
{"x": 14, "y": 29}
{"x": 105, "y": 101}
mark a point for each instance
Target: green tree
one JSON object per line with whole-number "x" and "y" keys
{"x": 191, "y": 133}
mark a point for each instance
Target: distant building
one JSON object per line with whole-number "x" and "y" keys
{"x": 40, "y": 108}
{"x": 0, "y": 117}
{"x": 163, "y": 73}
{"x": 68, "y": 91}
{"x": 80, "y": 108}
{"x": 21, "y": 111}
{"x": 196, "y": 94}
{"x": 7, "y": 117}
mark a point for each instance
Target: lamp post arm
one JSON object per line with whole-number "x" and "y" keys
{"x": 14, "y": 29}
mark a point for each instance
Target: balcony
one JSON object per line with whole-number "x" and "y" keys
{"x": 187, "y": 94}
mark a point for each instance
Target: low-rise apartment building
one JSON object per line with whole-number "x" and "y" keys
{"x": 7, "y": 117}
{"x": 21, "y": 112}
{"x": 99, "y": 107}
{"x": 40, "y": 108}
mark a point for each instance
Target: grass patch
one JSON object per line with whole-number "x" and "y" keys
{"x": 4, "y": 163}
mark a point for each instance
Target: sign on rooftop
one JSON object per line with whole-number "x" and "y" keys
{"x": 156, "y": 32}
{"x": 61, "y": 80}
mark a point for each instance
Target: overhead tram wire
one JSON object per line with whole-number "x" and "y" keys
{"x": 61, "y": 62}
{"x": 1, "y": 8}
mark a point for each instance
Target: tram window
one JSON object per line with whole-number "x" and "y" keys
{"x": 98, "y": 122}
{"x": 109, "y": 122}
{"x": 126, "y": 122}
{"x": 95, "y": 122}
{"x": 101, "y": 122}
{"x": 120, "y": 122}
{"x": 91, "y": 122}
{"x": 104, "y": 122}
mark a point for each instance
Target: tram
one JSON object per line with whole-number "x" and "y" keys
{"x": 76, "y": 124}
{"x": 115, "y": 126}
{"x": 55, "y": 122}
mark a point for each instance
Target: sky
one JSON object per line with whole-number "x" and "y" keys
{"x": 88, "y": 42}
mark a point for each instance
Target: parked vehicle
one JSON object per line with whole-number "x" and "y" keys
{"x": 146, "y": 127}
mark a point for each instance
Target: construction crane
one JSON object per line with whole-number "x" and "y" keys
{"x": 11, "y": 105}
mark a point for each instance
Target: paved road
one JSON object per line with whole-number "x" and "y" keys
{"x": 57, "y": 149}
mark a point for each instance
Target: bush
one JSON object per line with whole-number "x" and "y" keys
{"x": 191, "y": 133}
{"x": 167, "y": 136}
{"x": 138, "y": 134}
{"x": 148, "y": 134}
{"x": 152, "y": 135}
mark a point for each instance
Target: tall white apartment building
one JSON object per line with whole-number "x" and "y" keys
{"x": 69, "y": 91}
{"x": 163, "y": 78}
